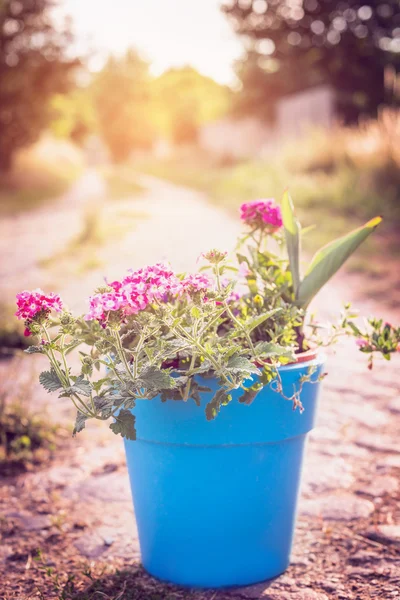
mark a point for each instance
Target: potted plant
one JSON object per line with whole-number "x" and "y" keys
{"x": 212, "y": 380}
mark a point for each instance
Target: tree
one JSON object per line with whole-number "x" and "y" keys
{"x": 33, "y": 67}
{"x": 296, "y": 44}
{"x": 73, "y": 115}
{"x": 186, "y": 99}
{"x": 123, "y": 102}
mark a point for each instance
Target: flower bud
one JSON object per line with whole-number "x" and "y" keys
{"x": 215, "y": 256}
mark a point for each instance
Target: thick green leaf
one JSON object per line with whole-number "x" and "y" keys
{"x": 267, "y": 349}
{"x": 328, "y": 260}
{"x": 50, "y": 380}
{"x": 221, "y": 398}
{"x": 124, "y": 424}
{"x": 240, "y": 364}
{"x": 156, "y": 379}
{"x": 82, "y": 386}
{"x": 79, "y": 423}
{"x": 292, "y": 234}
{"x": 254, "y": 322}
{"x": 249, "y": 394}
{"x": 34, "y": 350}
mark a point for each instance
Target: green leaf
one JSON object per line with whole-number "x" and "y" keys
{"x": 124, "y": 425}
{"x": 82, "y": 386}
{"x": 80, "y": 423}
{"x": 104, "y": 404}
{"x": 221, "y": 398}
{"x": 249, "y": 394}
{"x": 267, "y": 349}
{"x": 240, "y": 364}
{"x": 156, "y": 379}
{"x": 254, "y": 322}
{"x": 292, "y": 234}
{"x": 328, "y": 260}
{"x": 34, "y": 350}
{"x": 50, "y": 380}
{"x": 195, "y": 312}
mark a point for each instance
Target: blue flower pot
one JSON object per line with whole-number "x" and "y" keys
{"x": 215, "y": 502}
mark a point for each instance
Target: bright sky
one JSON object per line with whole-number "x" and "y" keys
{"x": 167, "y": 32}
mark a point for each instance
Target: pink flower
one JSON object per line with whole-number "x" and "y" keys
{"x": 244, "y": 270}
{"x": 196, "y": 283}
{"x": 135, "y": 292}
{"x": 262, "y": 214}
{"x": 29, "y": 304}
{"x": 361, "y": 343}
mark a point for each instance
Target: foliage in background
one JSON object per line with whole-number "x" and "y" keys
{"x": 352, "y": 45}
{"x": 340, "y": 176}
{"x": 122, "y": 101}
{"x": 185, "y": 100}
{"x": 11, "y": 333}
{"x": 33, "y": 67}
{"x": 73, "y": 115}
{"x": 41, "y": 173}
{"x": 25, "y": 437}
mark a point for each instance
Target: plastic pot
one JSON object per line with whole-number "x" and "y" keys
{"x": 215, "y": 502}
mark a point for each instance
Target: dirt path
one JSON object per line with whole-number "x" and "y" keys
{"x": 79, "y": 512}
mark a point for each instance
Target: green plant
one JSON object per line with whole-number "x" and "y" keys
{"x": 25, "y": 436}
{"x": 156, "y": 333}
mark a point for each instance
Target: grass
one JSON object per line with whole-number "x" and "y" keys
{"x": 338, "y": 179}
{"x": 110, "y": 583}
{"x": 40, "y": 174}
{"x": 12, "y": 336}
{"x": 27, "y": 438}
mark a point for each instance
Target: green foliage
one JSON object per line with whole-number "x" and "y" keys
{"x": 26, "y": 68}
{"x": 329, "y": 259}
{"x": 294, "y": 47}
{"x": 124, "y": 424}
{"x": 221, "y": 398}
{"x": 26, "y": 436}
{"x": 122, "y": 97}
{"x": 50, "y": 380}
{"x": 292, "y": 236}
{"x": 201, "y": 329}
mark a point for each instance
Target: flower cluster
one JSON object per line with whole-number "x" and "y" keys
{"x": 196, "y": 283}
{"x": 29, "y": 304}
{"x": 262, "y": 214}
{"x": 36, "y": 306}
{"x": 141, "y": 288}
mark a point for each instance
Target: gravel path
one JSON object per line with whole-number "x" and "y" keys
{"x": 78, "y": 511}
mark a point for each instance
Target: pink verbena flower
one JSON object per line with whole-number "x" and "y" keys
{"x": 135, "y": 292}
{"x": 30, "y": 304}
{"x": 361, "y": 343}
{"x": 196, "y": 283}
{"x": 262, "y": 214}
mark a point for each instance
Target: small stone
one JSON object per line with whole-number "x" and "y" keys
{"x": 263, "y": 591}
{"x": 385, "y": 533}
{"x": 5, "y": 552}
{"x": 378, "y": 443}
{"x": 112, "y": 487}
{"x": 390, "y": 461}
{"x": 31, "y": 522}
{"x": 340, "y": 507}
{"x": 394, "y": 406}
{"x": 90, "y": 545}
{"x": 380, "y": 486}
